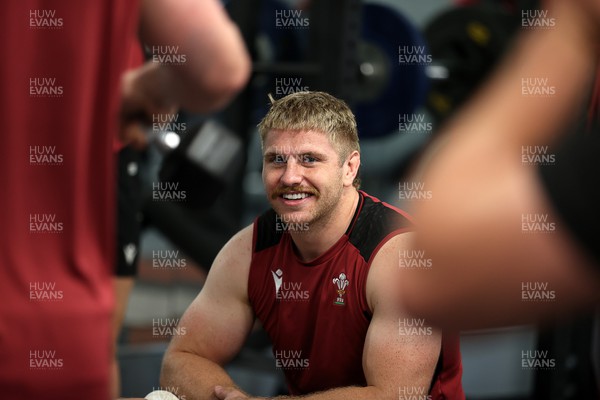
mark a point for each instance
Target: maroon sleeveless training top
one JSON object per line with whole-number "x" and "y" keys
{"x": 316, "y": 313}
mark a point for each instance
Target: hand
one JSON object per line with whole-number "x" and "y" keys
{"x": 229, "y": 393}
{"x": 143, "y": 95}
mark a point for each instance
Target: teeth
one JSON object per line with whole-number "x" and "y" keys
{"x": 295, "y": 196}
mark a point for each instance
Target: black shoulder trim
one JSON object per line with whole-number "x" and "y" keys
{"x": 266, "y": 234}
{"x": 375, "y": 221}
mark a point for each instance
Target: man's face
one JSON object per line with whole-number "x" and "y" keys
{"x": 302, "y": 174}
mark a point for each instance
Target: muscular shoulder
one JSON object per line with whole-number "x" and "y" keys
{"x": 239, "y": 246}
{"x": 221, "y": 303}
{"x": 384, "y": 277}
{"x": 231, "y": 266}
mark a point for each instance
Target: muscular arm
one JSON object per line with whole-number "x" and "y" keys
{"x": 216, "y": 325}
{"x": 390, "y": 361}
{"x": 471, "y": 228}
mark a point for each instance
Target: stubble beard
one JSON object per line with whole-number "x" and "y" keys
{"x": 323, "y": 211}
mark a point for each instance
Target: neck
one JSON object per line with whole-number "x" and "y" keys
{"x": 313, "y": 243}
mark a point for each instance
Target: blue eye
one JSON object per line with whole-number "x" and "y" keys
{"x": 280, "y": 159}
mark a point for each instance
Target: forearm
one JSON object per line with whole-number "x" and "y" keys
{"x": 192, "y": 377}
{"x": 345, "y": 393}
{"x": 354, "y": 393}
{"x": 213, "y": 74}
{"x": 481, "y": 189}
{"x": 213, "y": 63}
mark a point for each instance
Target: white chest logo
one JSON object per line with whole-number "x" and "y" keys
{"x": 278, "y": 279}
{"x": 341, "y": 283}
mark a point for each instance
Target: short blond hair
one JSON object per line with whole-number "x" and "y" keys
{"x": 318, "y": 111}
{"x": 314, "y": 111}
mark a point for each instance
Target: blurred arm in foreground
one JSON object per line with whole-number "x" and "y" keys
{"x": 475, "y": 229}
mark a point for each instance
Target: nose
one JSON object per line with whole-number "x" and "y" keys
{"x": 292, "y": 174}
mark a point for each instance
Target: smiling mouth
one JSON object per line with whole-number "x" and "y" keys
{"x": 294, "y": 193}
{"x": 295, "y": 196}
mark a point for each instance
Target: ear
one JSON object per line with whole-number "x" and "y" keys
{"x": 350, "y": 168}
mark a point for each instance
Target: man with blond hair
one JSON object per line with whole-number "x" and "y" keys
{"x": 319, "y": 270}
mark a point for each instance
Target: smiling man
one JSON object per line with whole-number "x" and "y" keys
{"x": 320, "y": 271}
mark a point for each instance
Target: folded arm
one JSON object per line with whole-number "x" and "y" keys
{"x": 216, "y": 325}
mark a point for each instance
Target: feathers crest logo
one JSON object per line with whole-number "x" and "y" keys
{"x": 341, "y": 282}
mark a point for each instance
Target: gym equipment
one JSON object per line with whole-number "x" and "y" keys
{"x": 570, "y": 346}
{"x": 466, "y": 43}
{"x": 353, "y": 55}
{"x": 203, "y": 164}
{"x": 276, "y": 52}
{"x": 385, "y": 66}
{"x": 392, "y": 59}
